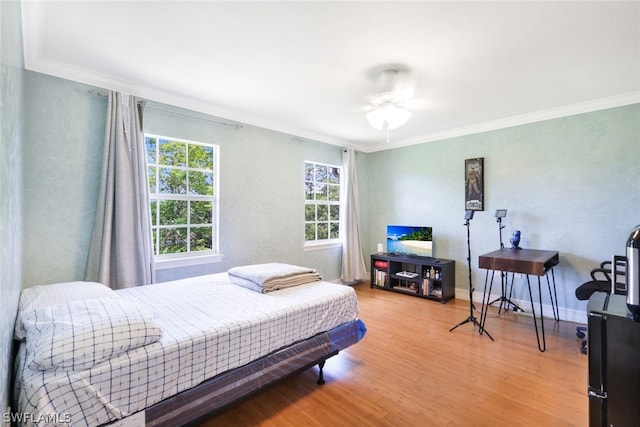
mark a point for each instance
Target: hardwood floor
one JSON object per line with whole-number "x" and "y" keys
{"x": 409, "y": 370}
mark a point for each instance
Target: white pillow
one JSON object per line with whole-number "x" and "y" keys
{"x": 80, "y": 334}
{"x": 57, "y": 293}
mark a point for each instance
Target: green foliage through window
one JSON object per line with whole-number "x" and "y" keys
{"x": 322, "y": 202}
{"x": 182, "y": 188}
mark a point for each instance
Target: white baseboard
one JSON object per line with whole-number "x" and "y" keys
{"x": 566, "y": 314}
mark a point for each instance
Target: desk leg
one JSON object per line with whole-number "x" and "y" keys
{"x": 553, "y": 296}
{"x": 541, "y": 346}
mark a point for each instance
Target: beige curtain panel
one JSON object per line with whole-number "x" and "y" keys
{"x": 120, "y": 253}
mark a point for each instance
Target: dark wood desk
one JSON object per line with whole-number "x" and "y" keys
{"x": 523, "y": 261}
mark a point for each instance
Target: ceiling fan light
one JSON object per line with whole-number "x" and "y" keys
{"x": 376, "y": 118}
{"x": 396, "y": 116}
{"x": 388, "y": 115}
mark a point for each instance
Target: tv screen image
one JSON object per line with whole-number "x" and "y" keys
{"x": 410, "y": 240}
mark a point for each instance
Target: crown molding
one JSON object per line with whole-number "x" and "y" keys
{"x": 103, "y": 81}
{"x": 174, "y": 99}
{"x": 540, "y": 116}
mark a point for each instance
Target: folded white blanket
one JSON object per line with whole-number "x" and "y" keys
{"x": 272, "y": 276}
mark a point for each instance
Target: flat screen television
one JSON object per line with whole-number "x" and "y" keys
{"x": 410, "y": 240}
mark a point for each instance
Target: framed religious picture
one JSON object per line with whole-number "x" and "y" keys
{"x": 474, "y": 184}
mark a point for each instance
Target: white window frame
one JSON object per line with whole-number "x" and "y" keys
{"x": 318, "y": 244}
{"x": 183, "y": 259}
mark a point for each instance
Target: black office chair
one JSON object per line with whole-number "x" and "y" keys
{"x": 609, "y": 277}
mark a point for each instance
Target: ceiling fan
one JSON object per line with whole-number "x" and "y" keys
{"x": 389, "y": 107}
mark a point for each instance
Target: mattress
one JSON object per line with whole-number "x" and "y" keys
{"x": 209, "y": 326}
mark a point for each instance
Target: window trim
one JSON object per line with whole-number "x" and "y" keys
{"x": 319, "y": 244}
{"x": 169, "y": 261}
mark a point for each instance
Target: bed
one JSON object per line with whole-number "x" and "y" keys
{"x": 169, "y": 353}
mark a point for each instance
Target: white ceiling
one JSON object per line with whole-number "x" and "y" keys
{"x": 308, "y": 68}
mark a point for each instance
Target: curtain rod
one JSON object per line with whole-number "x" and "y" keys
{"x": 96, "y": 92}
{"x": 169, "y": 109}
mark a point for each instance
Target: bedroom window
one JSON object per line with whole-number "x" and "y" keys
{"x": 183, "y": 182}
{"x": 322, "y": 203}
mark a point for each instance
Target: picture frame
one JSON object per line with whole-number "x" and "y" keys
{"x": 474, "y": 184}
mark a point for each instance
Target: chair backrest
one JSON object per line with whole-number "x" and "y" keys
{"x": 609, "y": 277}
{"x": 619, "y": 272}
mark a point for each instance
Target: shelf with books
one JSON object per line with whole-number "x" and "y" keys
{"x": 380, "y": 278}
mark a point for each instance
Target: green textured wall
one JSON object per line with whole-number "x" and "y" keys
{"x": 261, "y": 191}
{"x": 262, "y": 208}
{"x": 569, "y": 184}
{"x": 62, "y": 150}
{"x": 11, "y": 123}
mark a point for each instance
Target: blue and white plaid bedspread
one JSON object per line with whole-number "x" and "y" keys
{"x": 209, "y": 326}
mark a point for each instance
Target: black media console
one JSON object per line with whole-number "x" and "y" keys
{"x": 424, "y": 277}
